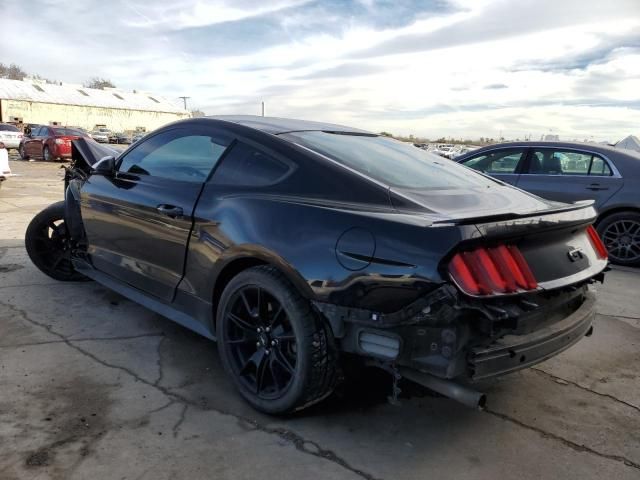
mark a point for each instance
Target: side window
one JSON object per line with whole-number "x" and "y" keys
{"x": 498, "y": 161}
{"x": 247, "y": 166}
{"x": 549, "y": 161}
{"x": 40, "y": 132}
{"x": 178, "y": 154}
{"x": 600, "y": 167}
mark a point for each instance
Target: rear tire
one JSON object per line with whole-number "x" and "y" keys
{"x": 279, "y": 354}
{"x": 23, "y": 154}
{"x": 48, "y": 244}
{"x": 620, "y": 233}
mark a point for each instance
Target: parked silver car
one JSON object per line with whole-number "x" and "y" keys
{"x": 570, "y": 171}
{"x": 10, "y": 135}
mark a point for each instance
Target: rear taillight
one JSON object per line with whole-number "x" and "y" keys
{"x": 492, "y": 271}
{"x": 597, "y": 243}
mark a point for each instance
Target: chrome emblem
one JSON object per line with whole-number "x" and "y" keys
{"x": 575, "y": 254}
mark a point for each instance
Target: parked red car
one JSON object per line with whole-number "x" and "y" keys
{"x": 48, "y": 143}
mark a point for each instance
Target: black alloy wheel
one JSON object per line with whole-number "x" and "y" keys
{"x": 48, "y": 244}
{"x": 279, "y": 354}
{"x": 620, "y": 233}
{"x": 261, "y": 341}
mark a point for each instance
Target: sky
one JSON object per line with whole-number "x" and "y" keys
{"x": 459, "y": 68}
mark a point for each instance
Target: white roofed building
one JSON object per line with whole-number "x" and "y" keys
{"x": 630, "y": 143}
{"x": 32, "y": 101}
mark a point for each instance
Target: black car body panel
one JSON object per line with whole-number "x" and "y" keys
{"x": 370, "y": 257}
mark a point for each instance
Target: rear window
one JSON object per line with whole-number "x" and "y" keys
{"x": 389, "y": 161}
{"x": 66, "y": 131}
{"x": 8, "y": 128}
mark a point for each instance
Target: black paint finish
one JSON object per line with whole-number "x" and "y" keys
{"x": 339, "y": 237}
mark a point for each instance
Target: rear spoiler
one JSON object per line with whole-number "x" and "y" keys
{"x": 582, "y": 207}
{"x": 89, "y": 151}
{"x": 576, "y": 214}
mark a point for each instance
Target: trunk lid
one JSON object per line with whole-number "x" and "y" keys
{"x": 555, "y": 243}
{"x": 461, "y": 205}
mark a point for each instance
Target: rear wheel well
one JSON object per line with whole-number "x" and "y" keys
{"x": 613, "y": 211}
{"x": 228, "y": 272}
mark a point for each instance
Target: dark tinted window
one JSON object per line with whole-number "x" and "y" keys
{"x": 551, "y": 161}
{"x": 8, "y": 128}
{"x": 177, "y": 154}
{"x": 66, "y": 131}
{"x": 391, "y": 162}
{"x": 247, "y": 166}
{"x": 496, "y": 161}
{"x": 599, "y": 167}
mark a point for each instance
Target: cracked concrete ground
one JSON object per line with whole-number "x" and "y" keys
{"x": 94, "y": 386}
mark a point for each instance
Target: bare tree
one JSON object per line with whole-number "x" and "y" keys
{"x": 12, "y": 72}
{"x": 99, "y": 83}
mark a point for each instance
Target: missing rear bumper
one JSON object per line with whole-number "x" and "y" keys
{"x": 515, "y": 352}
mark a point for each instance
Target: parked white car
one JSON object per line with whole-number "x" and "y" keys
{"x": 10, "y": 136}
{"x": 101, "y": 135}
{"x": 5, "y": 171}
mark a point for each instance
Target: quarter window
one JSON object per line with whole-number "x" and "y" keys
{"x": 175, "y": 154}
{"x": 496, "y": 162}
{"x": 244, "y": 165}
{"x": 600, "y": 167}
{"x": 547, "y": 161}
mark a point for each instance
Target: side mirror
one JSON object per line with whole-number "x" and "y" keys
{"x": 105, "y": 166}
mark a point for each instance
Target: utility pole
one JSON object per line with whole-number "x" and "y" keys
{"x": 263, "y": 109}
{"x": 184, "y": 99}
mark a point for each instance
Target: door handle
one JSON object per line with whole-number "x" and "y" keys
{"x": 596, "y": 186}
{"x": 170, "y": 210}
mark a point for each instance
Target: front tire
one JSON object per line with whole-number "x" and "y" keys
{"x": 46, "y": 154}
{"x": 280, "y": 355}
{"x": 620, "y": 233}
{"x": 48, "y": 244}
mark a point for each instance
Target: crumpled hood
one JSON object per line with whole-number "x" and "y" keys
{"x": 90, "y": 151}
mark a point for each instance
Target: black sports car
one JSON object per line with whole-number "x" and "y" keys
{"x": 298, "y": 245}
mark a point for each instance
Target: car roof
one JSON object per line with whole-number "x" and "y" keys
{"x": 573, "y": 145}
{"x": 276, "y": 126}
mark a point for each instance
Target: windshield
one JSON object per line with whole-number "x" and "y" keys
{"x": 8, "y": 128}
{"x": 389, "y": 161}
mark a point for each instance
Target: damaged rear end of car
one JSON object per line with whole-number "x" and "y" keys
{"x": 512, "y": 292}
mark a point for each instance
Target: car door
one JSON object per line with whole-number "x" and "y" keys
{"x": 568, "y": 175}
{"x": 138, "y": 221}
{"x": 45, "y": 134}
{"x": 502, "y": 163}
{"x": 30, "y": 144}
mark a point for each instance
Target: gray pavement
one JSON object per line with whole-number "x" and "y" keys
{"x": 95, "y": 386}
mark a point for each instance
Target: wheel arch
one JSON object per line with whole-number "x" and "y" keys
{"x": 234, "y": 265}
{"x": 617, "y": 209}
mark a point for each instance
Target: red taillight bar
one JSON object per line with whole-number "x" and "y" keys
{"x": 597, "y": 243}
{"x": 492, "y": 271}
